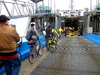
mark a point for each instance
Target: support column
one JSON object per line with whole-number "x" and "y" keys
{"x": 56, "y": 22}
{"x": 88, "y": 23}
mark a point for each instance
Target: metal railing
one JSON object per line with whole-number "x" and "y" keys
{"x": 18, "y": 9}
{"x": 15, "y": 9}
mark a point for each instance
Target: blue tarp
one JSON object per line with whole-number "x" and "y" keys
{"x": 93, "y": 37}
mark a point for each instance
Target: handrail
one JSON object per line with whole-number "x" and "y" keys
{"x": 16, "y": 9}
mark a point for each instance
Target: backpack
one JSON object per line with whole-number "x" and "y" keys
{"x": 29, "y": 35}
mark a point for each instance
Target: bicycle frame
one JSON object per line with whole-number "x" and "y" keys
{"x": 34, "y": 51}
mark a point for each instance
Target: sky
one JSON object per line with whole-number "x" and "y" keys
{"x": 78, "y": 4}
{"x": 65, "y": 4}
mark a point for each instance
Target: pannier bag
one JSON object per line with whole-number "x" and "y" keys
{"x": 31, "y": 42}
{"x": 52, "y": 42}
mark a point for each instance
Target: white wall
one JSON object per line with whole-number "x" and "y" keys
{"x": 21, "y": 24}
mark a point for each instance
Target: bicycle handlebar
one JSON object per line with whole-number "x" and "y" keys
{"x": 19, "y": 44}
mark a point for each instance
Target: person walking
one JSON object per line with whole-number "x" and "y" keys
{"x": 48, "y": 34}
{"x": 8, "y": 54}
{"x": 32, "y": 36}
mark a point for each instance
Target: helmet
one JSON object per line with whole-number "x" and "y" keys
{"x": 3, "y": 19}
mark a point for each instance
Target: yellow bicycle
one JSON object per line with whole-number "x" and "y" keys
{"x": 51, "y": 44}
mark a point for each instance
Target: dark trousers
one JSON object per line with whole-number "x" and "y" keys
{"x": 12, "y": 67}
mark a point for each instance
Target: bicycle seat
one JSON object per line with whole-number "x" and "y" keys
{"x": 31, "y": 42}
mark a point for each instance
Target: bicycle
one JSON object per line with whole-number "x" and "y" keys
{"x": 51, "y": 44}
{"x": 35, "y": 51}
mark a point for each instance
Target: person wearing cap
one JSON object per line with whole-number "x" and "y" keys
{"x": 8, "y": 54}
{"x": 35, "y": 35}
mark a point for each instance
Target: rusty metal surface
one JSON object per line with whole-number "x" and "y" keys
{"x": 74, "y": 56}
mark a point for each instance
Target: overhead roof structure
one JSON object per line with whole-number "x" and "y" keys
{"x": 36, "y": 1}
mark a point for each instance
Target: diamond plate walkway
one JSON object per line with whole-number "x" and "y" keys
{"x": 74, "y": 56}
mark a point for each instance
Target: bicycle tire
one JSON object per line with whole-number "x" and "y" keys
{"x": 32, "y": 55}
{"x": 48, "y": 45}
{"x": 51, "y": 48}
{"x": 38, "y": 47}
{"x": 19, "y": 55}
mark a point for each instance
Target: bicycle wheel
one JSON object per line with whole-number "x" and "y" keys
{"x": 39, "y": 48}
{"x": 32, "y": 55}
{"x": 48, "y": 44}
{"x": 19, "y": 55}
{"x": 51, "y": 48}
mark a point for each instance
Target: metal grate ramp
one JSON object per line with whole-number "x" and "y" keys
{"x": 74, "y": 56}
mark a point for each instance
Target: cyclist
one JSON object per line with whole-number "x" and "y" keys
{"x": 34, "y": 37}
